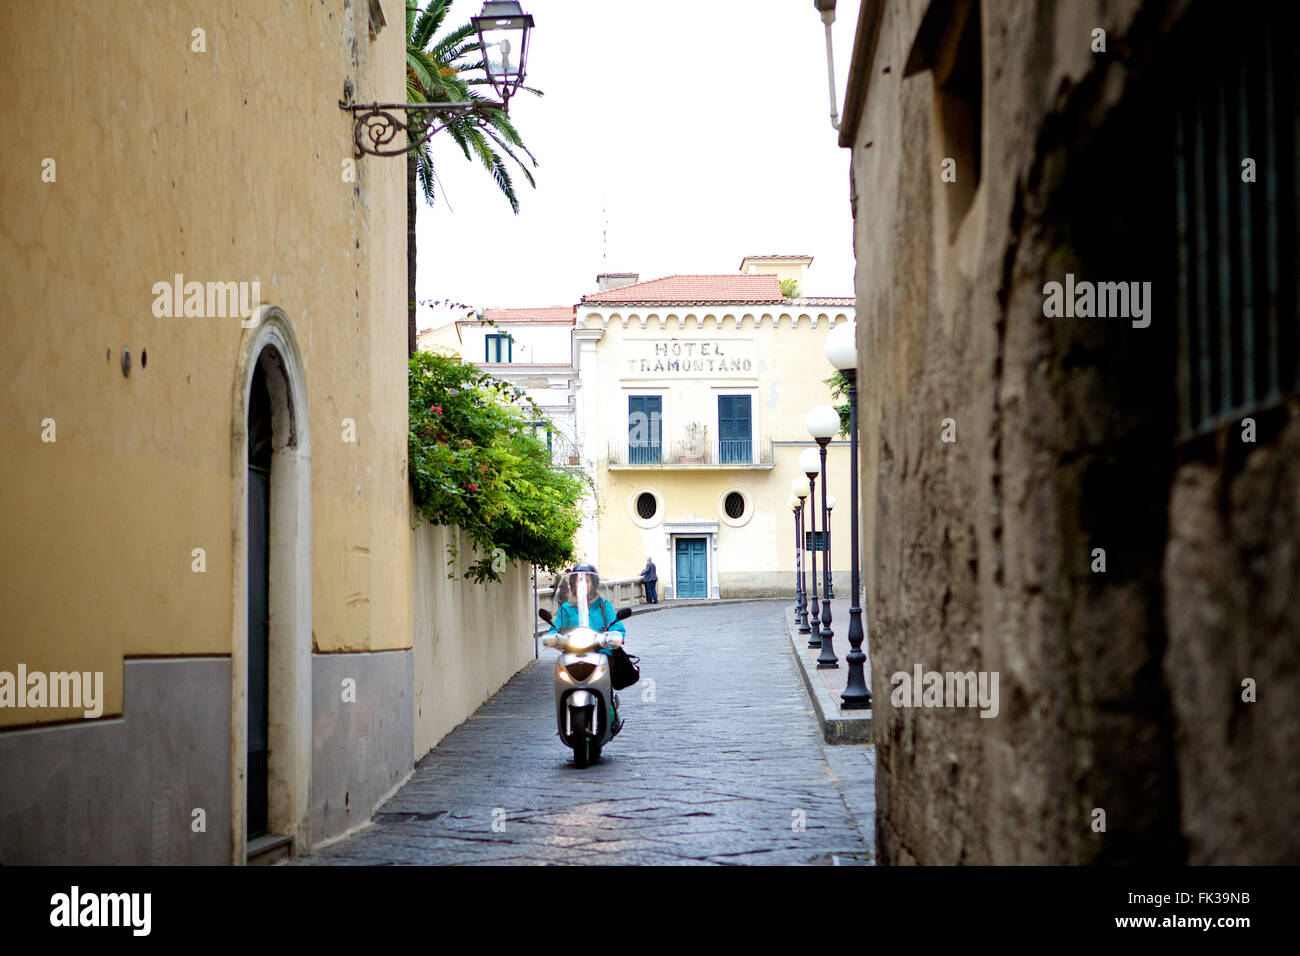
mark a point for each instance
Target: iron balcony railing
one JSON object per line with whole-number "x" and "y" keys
{"x": 741, "y": 453}
{"x": 564, "y": 452}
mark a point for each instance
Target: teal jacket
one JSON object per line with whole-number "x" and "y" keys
{"x": 599, "y": 613}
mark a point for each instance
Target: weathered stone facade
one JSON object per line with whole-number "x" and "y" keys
{"x": 1120, "y": 690}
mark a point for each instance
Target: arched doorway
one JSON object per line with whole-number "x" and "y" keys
{"x": 260, "y": 432}
{"x": 272, "y": 641}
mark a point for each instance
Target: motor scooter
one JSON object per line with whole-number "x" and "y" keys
{"x": 584, "y": 693}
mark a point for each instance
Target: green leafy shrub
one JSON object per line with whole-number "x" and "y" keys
{"x": 476, "y": 463}
{"x": 840, "y": 389}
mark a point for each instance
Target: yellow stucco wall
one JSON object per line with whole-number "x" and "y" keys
{"x": 224, "y": 165}
{"x": 787, "y": 380}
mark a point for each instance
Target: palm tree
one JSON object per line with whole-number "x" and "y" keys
{"x": 446, "y": 70}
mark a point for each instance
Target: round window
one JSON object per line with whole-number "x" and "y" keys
{"x": 734, "y": 505}
{"x": 647, "y": 506}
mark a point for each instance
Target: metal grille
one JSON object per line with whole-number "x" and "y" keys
{"x": 646, "y": 506}
{"x": 1236, "y": 240}
{"x": 740, "y": 451}
{"x": 644, "y": 453}
{"x": 734, "y": 505}
{"x": 754, "y": 453}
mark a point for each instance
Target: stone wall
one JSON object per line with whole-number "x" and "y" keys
{"x": 1231, "y": 571}
{"x": 1117, "y": 688}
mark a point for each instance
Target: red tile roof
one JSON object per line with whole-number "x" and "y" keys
{"x": 702, "y": 289}
{"x": 552, "y": 313}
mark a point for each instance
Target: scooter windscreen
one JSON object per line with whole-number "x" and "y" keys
{"x": 573, "y": 599}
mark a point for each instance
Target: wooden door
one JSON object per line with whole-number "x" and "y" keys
{"x": 692, "y": 577}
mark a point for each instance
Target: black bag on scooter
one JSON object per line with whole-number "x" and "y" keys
{"x": 623, "y": 670}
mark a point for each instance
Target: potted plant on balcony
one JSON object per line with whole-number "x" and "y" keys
{"x": 697, "y": 440}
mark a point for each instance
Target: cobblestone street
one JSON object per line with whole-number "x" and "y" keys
{"x": 720, "y": 762}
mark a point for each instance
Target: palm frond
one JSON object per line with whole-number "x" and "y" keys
{"x": 495, "y": 166}
{"x": 460, "y": 135}
{"x": 483, "y": 81}
{"x": 424, "y": 72}
{"x": 505, "y": 148}
{"x": 428, "y": 22}
{"x": 449, "y": 69}
{"x": 454, "y": 45}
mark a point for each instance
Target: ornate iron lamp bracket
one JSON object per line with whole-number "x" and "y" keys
{"x": 377, "y": 125}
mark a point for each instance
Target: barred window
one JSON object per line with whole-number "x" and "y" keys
{"x": 1234, "y": 178}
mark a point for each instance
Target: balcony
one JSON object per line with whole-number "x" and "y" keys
{"x": 685, "y": 455}
{"x": 564, "y": 453}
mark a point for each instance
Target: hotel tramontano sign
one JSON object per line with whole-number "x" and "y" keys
{"x": 665, "y": 357}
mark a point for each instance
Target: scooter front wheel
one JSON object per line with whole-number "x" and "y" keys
{"x": 582, "y": 755}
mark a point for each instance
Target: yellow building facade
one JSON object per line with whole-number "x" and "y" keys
{"x": 692, "y": 397}
{"x": 199, "y": 275}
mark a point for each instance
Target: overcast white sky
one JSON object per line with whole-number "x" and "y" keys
{"x": 701, "y": 126}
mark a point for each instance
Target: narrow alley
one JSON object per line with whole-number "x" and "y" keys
{"x": 720, "y": 762}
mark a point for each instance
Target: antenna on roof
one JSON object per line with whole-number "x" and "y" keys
{"x": 604, "y": 234}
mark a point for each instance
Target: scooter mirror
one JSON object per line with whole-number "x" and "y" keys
{"x": 623, "y": 614}
{"x": 544, "y": 614}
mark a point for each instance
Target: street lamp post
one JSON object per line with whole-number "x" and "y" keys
{"x": 827, "y": 10}
{"x": 796, "y": 506}
{"x": 801, "y": 490}
{"x": 842, "y": 351}
{"x": 808, "y": 464}
{"x": 822, "y": 423}
{"x": 830, "y": 580}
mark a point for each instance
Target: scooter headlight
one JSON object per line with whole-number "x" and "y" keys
{"x": 581, "y": 639}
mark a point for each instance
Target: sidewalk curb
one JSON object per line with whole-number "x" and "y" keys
{"x": 838, "y": 727}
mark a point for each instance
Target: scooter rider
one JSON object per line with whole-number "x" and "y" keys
{"x": 599, "y": 614}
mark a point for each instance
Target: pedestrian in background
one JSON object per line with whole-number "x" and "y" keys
{"x": 650, "y": 578}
